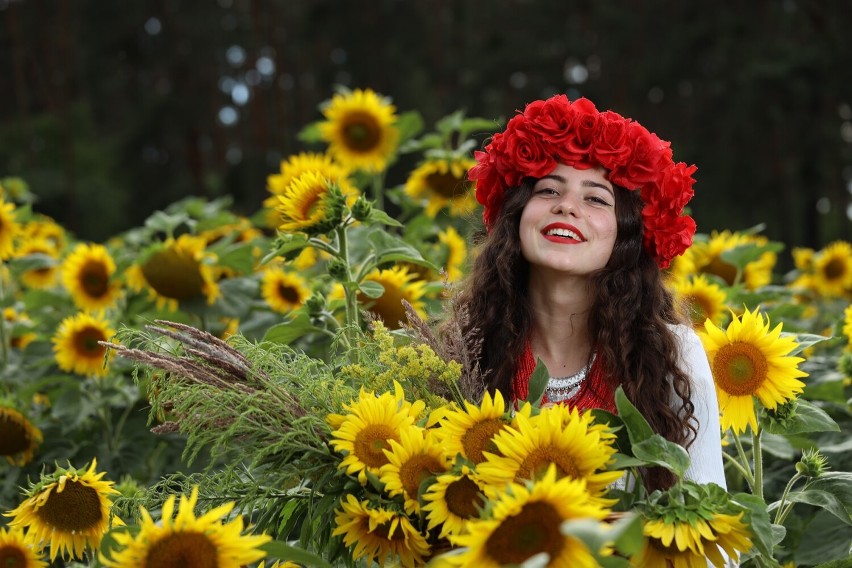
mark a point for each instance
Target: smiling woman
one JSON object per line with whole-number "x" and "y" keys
{"x": 583, "y": 211}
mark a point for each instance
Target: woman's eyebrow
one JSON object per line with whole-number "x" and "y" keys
{"x": 590, "y": 183}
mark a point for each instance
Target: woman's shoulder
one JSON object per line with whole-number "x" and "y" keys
{"x": 685, "y": 334}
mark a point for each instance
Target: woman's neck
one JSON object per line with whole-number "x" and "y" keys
{"x": 560, "y": 332}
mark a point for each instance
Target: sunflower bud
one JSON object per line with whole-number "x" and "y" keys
{"x": 361, "y": 209}
{"x": 316, "y": 304}
{"x": 813, "y": 464}
{"x": 338, "y": 269}
{"x": 782, "y": 414}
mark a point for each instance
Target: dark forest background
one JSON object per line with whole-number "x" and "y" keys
{"x": 112, "y": 110}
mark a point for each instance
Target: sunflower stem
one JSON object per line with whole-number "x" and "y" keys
{"x": 377, "y": 187}
{"x": 757, "y": 456}
{"x": 744, "y": 462}
{"x": 4, "y": 354}
{"x": 782, "y": 509}
{"x": 739, "y": 467}
{"x": 349, "y": 287}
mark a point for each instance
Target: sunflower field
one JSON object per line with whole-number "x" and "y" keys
{"x": 216, "y": 390}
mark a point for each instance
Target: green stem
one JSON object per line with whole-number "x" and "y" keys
{"x": 744, "y": 461}
{"x": 378, "y": 191}
{"x": 739, "y": 467}
{"x": 757, "y": 455}
{"x": 350, "y": 291}
{"x": 781, "y": 504}
{"x": 4, "y": 353}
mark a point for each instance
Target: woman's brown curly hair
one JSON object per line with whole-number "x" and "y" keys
{"x": 629, "y": 321}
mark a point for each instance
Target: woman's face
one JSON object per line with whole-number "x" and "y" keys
{"x": 569, "y": 222}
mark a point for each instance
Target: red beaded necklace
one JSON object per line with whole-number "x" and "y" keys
{"x": 596, "y": 391}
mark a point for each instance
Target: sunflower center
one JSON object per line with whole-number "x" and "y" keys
{"x": 77, "y": 508}
{"x": 14, "y": 437}
{"x": 464, "y": 498}
{"x": 834, "y": 269}
{"x": 725, "y": 271}
{"x": 383, "y": 531}
{"x": 311, "y": 204}
{"x": 288, "y": 294}
{"x": 739, "y": 368}
{"x": 86, "y": 342}
{"x": 94, "y": 279}
{"x": 699, "y": 308}
{"x": 533, "y": 530}
{"x": 539, "y": 459}
{"x": 370, "y": 442}
{"x": 414, "y": 470}
{"x": 388, "y": 307}
{"x": 12, "y": 556}
{"x": 174, "y": 275}
{"x": 445, "y": 184}
{"x": 182, "y": 550}
{"x": 480, "y": 438}
{"x": 361, "y": 132}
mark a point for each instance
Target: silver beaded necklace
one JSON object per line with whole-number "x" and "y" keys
{"x": 563, "y": 388}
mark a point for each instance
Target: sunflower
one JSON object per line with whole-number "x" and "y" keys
{"x": 470, "y": 432}
{"x": 293, "y": 168}
{"x": 43, "y": 228}
{"x": 705, "y": 257}
{"x": 283, "y": 291}
{"x": 87, "y": 275}
{"x": 701, "y": 299}
{"x": 19, "y": 438}
{"x": 525, "y": 520}
{"x": 367, "y": 428}
{"x": 16, "y": 552}
{"x": 453, "y": 500}
{"x": 748, "y": 360}
{"x": 560, "y": 436}
{"x": 399, "y": 285}
{"x": 76, "y": 344}
{"x": 442, "y": 184}
{"x": 187, "y": 540}
{"x": 456, "y": 253}
{"x": 44, "y": 276}
{"x": 9, "y": 229}
{"x": 68, "y": 511}
{"x": 416, "y": 457}
{"x": 312, "y": 204}
{"x": 360, "y": 128}
{"x": 832, "y": 269}
{"x": 20, "y": 323}
{"x": 847, "y": 326}
{"x": 379, "y": 534}
{"x": 691, "y": 545}
{"x": 177, "y": 270}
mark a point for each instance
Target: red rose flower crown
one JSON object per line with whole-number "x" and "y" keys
{"x": 554, "y": 131}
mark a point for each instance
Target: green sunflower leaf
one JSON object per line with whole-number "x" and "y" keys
{"x": 538, "y": 383}
{"x": 806, "y": 417}
{"x": 638, "y": 428}
{"x": 284, "y": 551}
{"x": 661, "y": 452}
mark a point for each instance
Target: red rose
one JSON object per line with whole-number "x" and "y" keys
{"x": 585, "y": 126}
{"x": 648, "y": 156}
{"x": 672, "y": 190}
{"x": 611, "y": 148}
{"x": 525, "y": 151}
{"x": 667, "y": 237}
{"x": 551, "y": 118}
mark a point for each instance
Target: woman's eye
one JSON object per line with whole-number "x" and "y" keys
{"x": 598, "y": 200}
{"x": 546, "y": 191}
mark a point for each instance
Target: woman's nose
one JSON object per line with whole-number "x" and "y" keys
{"x": 565, "y": 206}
